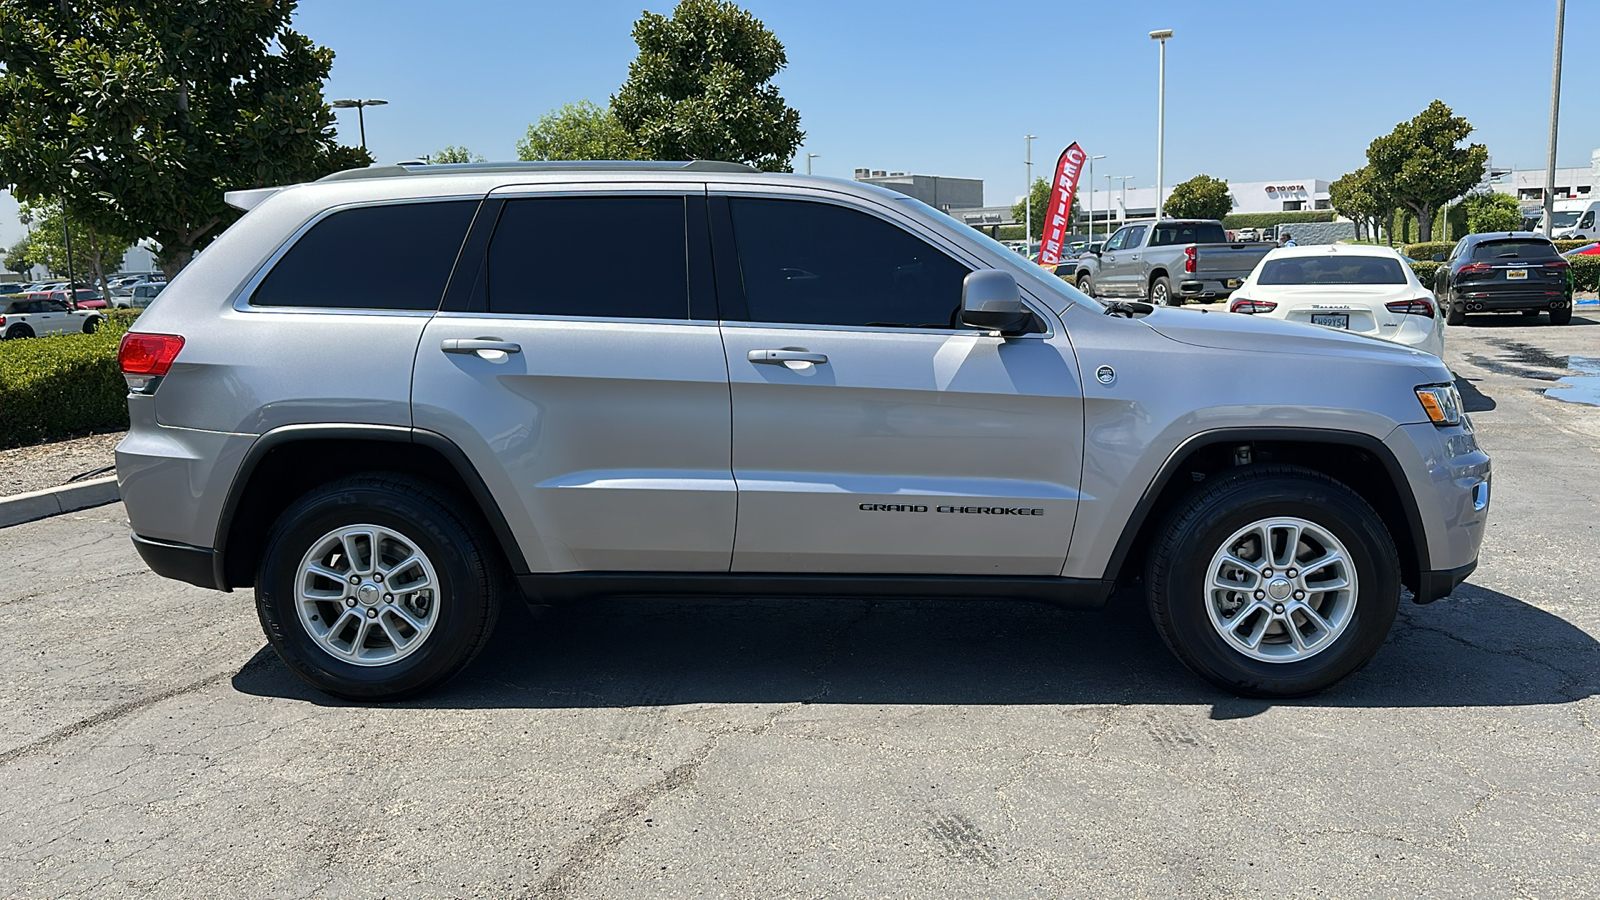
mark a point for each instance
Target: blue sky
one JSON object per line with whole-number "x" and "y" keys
{"x": 1256, "y": 91}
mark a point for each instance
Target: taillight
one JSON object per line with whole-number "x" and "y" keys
{"x": 1475, "y": 269}
{"x": 146, "y": 358}
{"x": 1417, "y": 307}
{"x": 1251, "y": 307}
{"x": 1188, "y": 259}
{"x": 1558, "y": 264}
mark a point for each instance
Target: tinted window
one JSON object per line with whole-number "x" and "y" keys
{"x": 1117, "y": 240}
{"x": 1189, "y": 233}
{"x": 1135, "y": 236}
{"x": 1490, "y": 251}
{"x": 813, "y": 263}
{"x": 1332, "y": 270}
{"x": 395, "y": 256}
{"x": 556, "y": 256}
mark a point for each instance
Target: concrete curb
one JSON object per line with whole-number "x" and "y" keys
{"x": 19, "y": 508}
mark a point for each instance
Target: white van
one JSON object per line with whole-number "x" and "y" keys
{"x": 1576, "y": 222}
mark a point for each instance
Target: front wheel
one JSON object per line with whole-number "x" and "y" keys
{"x": 374, "y": 587}
{"x": 90, "y": 324}
{"x": 1274, "y": 581}
{"x": 1086, "y": 285}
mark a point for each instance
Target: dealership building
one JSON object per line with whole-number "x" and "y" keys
{"x": 1281, "y": 195}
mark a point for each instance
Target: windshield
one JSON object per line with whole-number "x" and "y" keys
{"x": 1514, "y": 249}
{"x": 1564, "y": 219}
{"x": 1035, "y": 275}
{"x": 1332, "y": 270}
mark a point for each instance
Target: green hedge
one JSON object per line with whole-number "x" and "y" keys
{"x": 1564, "y": 246}
{"x": 1425, "y": 271}
{"x": 1267, "y": 220}
{"x": 61, "y": 385}
{"x": 1425, "y": 251}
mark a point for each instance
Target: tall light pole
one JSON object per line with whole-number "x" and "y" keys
{"x": 1555, "y": 116}
{"x": 1091, "y": 194}
{"x": 1124, "y": 179}
{"x": 1161, "y": 112}
{"x": 809, "y": 158}
{"x": 361, "y": 118}
{"x": 1027, "y": 202}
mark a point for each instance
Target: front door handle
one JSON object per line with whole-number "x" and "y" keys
{"x": 461, "y": 345}
{"x": 786, "y": 356}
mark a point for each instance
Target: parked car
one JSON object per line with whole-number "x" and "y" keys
{"x": 1576, "y": 222}
{"x": 1504, "y": 271}
{"x": 12, "y": 287}
{"x": 25, "y": 318}
{"x": 1363, "y": 289}
{"x": 886, "y": 400}
{"x": 85, "y": 298}
{"x": 1168, "y": 261}
{"x": 1247, "y": 235}
{"x": 1585, "y": 250}
{"x": 139, "y": 296}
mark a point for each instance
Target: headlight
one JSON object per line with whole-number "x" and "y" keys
{"x": 1442, "y": 402}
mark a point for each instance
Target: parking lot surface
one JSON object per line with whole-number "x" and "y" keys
{"x": 150, "y": 743}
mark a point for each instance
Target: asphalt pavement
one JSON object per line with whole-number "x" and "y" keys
{"x": 151, "y": 744}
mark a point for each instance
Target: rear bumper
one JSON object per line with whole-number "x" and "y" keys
{"x": 181, "y": 562}
{"x": 1205, "y": 287}
{"x": 1491, "y": 301}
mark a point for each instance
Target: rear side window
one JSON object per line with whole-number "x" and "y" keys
{"x": 559, "y": 256}
{"x": 394, "y": 256}
{"x": 1189, "y": 233}
{"x": 1489, "y": 251}
{"x": 818, "y": 264}
{"x": 1332, "y": 270}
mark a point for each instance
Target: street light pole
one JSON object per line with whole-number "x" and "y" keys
{"x": 1161, "y": 112}
{"x": 359, "y": 106}
{"x": 1091, "y": 194}
{"x": 1555, "y": 117}
{"x": 809, "y": 158}
{"x": 1124, "y": 179}
{"x": 1027, "y": 202}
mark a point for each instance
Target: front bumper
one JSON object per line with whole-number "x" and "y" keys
{"x": 1449, "y": 476}
{"x": 1438, "y": 583}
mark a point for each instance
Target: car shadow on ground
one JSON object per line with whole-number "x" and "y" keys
{"x": 1473, "y": 399}
{"x": 1479, "y": 648}
{"x": 1580, "y": 316}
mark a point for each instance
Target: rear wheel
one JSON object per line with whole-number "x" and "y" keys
{"x": 1561, "y": 316}
{"x": 1161, "y": 293}
{"x": 1456, "y": 314}
{"x": 1274, "y": 581}
{"x": 18, "y": 332}
{"x": 375, "y": 588}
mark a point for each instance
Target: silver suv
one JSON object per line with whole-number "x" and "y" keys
{"x": 391, "y": 399}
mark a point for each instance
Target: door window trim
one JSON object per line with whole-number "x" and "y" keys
{"x": 730, "y": 278}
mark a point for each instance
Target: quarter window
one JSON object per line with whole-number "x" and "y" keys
{"x": 559, "y": 256}
{"x": 395, "y": 256}
{"x": 820, "y": 264}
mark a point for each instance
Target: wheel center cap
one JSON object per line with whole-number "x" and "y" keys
{"x": 1279, "y": 588}
{"x": 368, "y": 594}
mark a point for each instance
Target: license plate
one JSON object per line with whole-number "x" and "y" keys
{"x": 1516, "y": 274}
{"x": 1233, "y": 282}
{"x": 1332, "y": 321}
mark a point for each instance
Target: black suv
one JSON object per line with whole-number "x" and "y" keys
{"x": 1504, "y": 271}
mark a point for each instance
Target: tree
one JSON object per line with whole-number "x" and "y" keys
{"x": 95, "y": 254}
{"x": 1201, "y": 197}
{"x": 701, "y": 88}
{"x": 19, "y": 258}
{"x": 1357, "y": 197}
{"x": 139, "y": 114}
{"x": 1422, "y": 167}
{"x": 1492, "y": 212}
{"x": 579, "y": 130}
{"x": 1041, "y": 201}
{"x": 453, "y": 154}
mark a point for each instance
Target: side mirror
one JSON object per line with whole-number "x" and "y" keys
{"x": 1438, "y": 257}
{"x": 990, "y": 300}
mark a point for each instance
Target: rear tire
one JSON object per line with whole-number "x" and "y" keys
{"x": 19, "y": 332}
{"x": 442, "y": 567}
{"x": 1161, "y": 293}
{"x": 1456, "y": 314}
{"x": 1335, "y": 631}
{"x": 1561, "y": 316}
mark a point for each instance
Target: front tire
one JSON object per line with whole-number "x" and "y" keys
{"x": 374, "y": 588}
{"x": 90, "y": 324}
{"x": 1086, "y": 285}
{"x": 1274, "y": 581}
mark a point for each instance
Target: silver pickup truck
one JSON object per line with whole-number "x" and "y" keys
{"x": 1167, "y": 261}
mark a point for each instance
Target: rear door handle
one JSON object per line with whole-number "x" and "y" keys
{"x": 464, "y": 345}
{"x": 783, "y": 356}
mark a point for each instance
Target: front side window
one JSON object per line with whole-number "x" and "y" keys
{"x": 394, "y": 256}
{"x": 1118, "y": 240}
{"x": 818, "y": 264}
{"x": 1332, "y": 270}
{"x": 558, "y": 256}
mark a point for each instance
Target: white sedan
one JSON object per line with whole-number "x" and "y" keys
{"x": 1365, "y": 289}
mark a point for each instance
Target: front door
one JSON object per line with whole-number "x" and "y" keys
{"x": 1112, "y": 256}
{"x": 871, "y": 432}
{"x": 584, "y": 377}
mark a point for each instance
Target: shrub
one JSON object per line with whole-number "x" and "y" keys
{"x": 1564, "y": 246}
{"x": 1425, "y": 271}
{"x": 1425, "y": 251}
{"x": 1267, "y": 220}
{"x": 122, "y": 318}
{"x": 59, "y": 385}
{"x": 1586, "y": 274}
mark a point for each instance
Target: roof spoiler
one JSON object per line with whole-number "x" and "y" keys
{"x": 249, "y": 199}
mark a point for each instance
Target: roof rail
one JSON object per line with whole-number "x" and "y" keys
{"x": 556, "y": 165}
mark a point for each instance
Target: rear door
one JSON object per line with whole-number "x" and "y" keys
{"x": 872, "y": 433}
{"x": 584, "y": 377}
